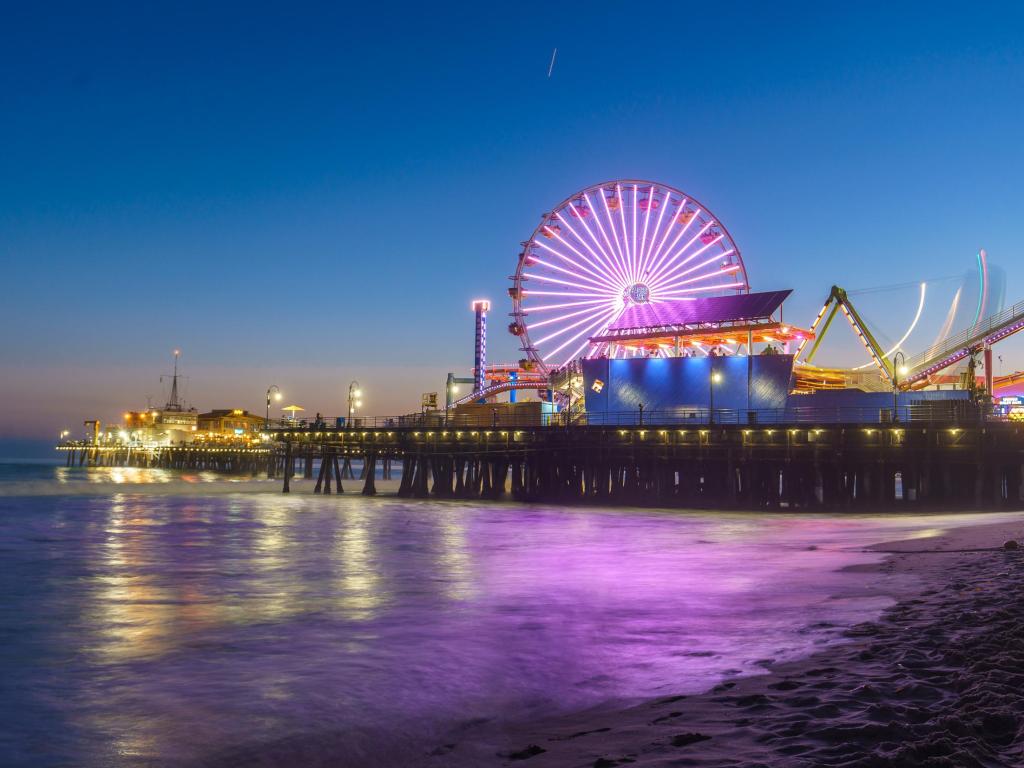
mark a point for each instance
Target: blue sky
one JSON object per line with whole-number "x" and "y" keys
{"x": 307, "y": 195}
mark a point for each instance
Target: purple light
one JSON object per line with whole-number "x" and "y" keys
{"x": 602, "y": 283}
{"x": 608, "y": 262}
{"x": 562, "y": 240}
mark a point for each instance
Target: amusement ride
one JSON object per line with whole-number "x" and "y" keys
{"x": 640, "y": 269}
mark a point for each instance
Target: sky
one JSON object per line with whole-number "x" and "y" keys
{"x": 312, "y": 194}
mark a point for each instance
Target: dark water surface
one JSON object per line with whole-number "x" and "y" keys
{"x": 187, "y": 622}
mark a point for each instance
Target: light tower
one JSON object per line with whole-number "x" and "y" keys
{"x": 480, "y": 307}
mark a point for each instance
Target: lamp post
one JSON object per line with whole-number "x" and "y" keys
{"x": 899, "y": 368}
{"x": 274, "y": 390}
{"x": 712, "y": 380}
{"x": 354, "y": 400}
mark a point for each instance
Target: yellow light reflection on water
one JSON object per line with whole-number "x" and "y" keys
{"x": 359, "y": 581}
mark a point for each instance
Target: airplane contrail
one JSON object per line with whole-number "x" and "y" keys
{"x": 551, "y": 66}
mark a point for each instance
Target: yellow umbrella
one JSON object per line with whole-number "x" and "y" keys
{"x": 293, "y": 409}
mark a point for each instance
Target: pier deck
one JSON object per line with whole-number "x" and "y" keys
{"x": 728, "y": 466}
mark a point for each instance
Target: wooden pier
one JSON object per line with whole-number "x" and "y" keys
{"x": 227, "y": 460}
{"x": 831, "y": 466}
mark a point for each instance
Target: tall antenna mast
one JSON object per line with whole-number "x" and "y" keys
{"x": 172, "y": 402}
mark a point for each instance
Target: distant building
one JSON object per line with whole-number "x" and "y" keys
{"x": 229, "y": 422}
{"x": 159, "y": 427}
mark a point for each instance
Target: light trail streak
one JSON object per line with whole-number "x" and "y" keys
{"x": 910, "y": 330}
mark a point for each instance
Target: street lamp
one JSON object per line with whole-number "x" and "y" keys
{"x": 899, "y": 368}
{"x": 274, "y": 390}
{"x": 355, "y": 401}
{"x": 715, "y": 378}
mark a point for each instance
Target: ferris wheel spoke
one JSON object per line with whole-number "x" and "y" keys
{"x": 624, "y": 271}
{"x": 625, "y": 234}
{"x": 603, "y": 318}
{"x": 644, "y": 250}
{"x": 605, "y": 261}
{"x": 573, "y": 326}
{"x": 555, "y": 252}
{"x": 656, "y": 246}
{"x": 672, "y": 260}
{"x": 549, "y": 307}
{"x": 558, "y": 281}
{"x": 531, "y": 292}
{"x": 636, "y": 257}
{"x": 720, "y": 286}
{"x": 566, "y": 316}
{"x": 677, "y": 273}
{"x": 676, "y": 280}
{"x": 666, "y": 252}
{"x": 604, "y": 329}
{"x": 596, "y": 280}
{"x": 614, "y": 257}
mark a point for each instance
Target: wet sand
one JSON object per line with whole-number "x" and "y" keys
{"x": 937, "y": 680}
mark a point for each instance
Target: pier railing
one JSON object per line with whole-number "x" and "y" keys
{"x": 945, "y": 412}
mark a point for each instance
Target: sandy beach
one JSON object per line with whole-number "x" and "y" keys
{"x": 935, "y": 681}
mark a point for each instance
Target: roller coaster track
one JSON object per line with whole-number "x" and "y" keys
{"x": 969, "y": 341}
{"x": 497, "y": 389}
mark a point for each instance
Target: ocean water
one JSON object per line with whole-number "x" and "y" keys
{"x": 153, "y": 619}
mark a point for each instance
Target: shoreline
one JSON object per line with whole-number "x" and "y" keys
{"x": 935, "y": 680}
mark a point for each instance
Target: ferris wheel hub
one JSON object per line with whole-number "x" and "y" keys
{"x": 638, "y": 293}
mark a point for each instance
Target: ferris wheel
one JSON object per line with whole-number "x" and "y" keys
{"x": 609, "y": 247}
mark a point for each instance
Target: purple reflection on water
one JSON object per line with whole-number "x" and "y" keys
{"x": 165, "y": 629}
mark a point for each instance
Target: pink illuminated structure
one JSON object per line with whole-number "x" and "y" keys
{"x": 606, "y": 249}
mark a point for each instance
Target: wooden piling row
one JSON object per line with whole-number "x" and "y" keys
{"x": 726, "y": 467}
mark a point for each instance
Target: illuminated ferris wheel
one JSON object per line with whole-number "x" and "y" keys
{"x": 607, "y": 248}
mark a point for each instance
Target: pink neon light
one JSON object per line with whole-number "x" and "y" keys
{"x": 668, "y": 230}
{"x": 602, "y": 284}
{"x": 667, "y": 259}
{"x": 619, "y": 272}
{"x": 549, "y": 307}
{"x": 647, "y": 221}
{"x": 672, "y": 275}
{"x": 667, "y": 264}
{"x": 706, "y": 276}
{"x": 625, "y": 237}
{"x": 636, "y": 258}
{"x": 574, "y": 250}
{"x": 611, "y": 225}
{"x": 596, "y": 313}
{"x": 607, "y": 260}
{"x": 707, "y": 288}
{"x": 566, "y": 316}
{"x": 562, "y": 346}
{"x": 531, "y": 276}
{"x": 651, "y": 252}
